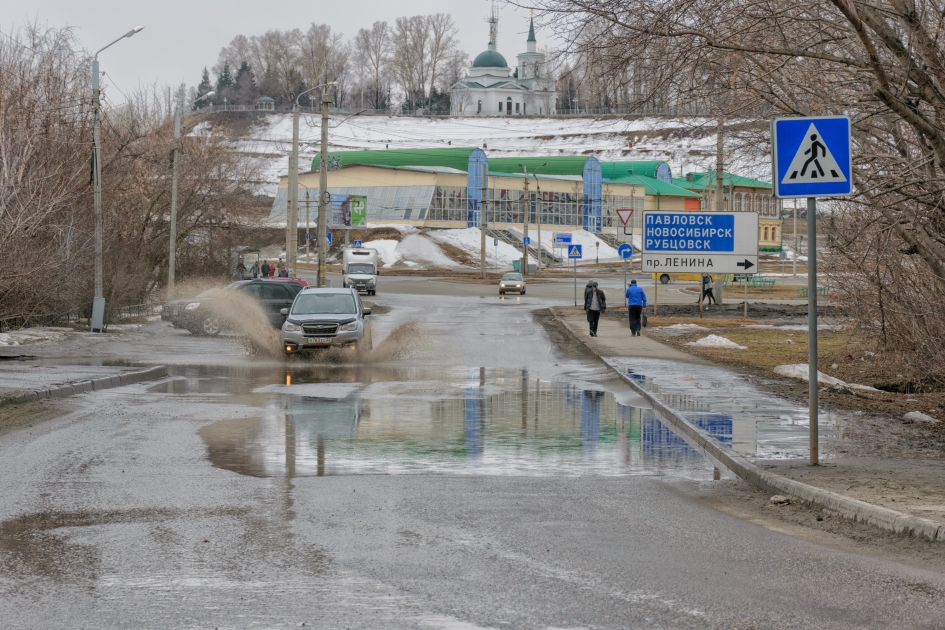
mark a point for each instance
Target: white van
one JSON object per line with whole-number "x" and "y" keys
{"x": 360, "y": 269}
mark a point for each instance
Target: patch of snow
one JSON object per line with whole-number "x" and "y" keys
{"x": 801, "y": 371}
{"x": 32, "y": 336}
{"x": 687, "y": 326}
{"x": 468, "y": 240}
{"x": 715, "y": 341}
{"x": 415, "y": 250}
{"x": 918, "y": 416}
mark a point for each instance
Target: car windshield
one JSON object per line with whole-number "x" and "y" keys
{"x": 360, "y": 268}
{"x": 517, "y": 277}
{"x": 324, "y": 304}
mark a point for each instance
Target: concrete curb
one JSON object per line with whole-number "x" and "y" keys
{"x": 838, "y": 504}
{"x": 106, "y": 382}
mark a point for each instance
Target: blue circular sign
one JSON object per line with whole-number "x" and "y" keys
{"x": 625, "y": 250}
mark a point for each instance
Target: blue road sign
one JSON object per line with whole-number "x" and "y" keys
{"x": 308, "y": 236}
{"x": 562, "y": 238}
{"x": 527, "y": 240}
{"x": 811, "y": 157}
{"x": 329, "y": 239}
{"x": 625, "y": 250}
{"x": 575, "y": 251}
{"x": 356, "y": 244}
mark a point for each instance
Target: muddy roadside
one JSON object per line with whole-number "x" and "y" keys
{"x": 878, "y": 458}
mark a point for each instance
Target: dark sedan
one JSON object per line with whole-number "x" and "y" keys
{"x": 202, "y": 315}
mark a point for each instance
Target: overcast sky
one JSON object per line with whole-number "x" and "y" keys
{"x": 183, "y": 36}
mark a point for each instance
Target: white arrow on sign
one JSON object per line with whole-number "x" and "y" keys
{"x": 624, "y": 214}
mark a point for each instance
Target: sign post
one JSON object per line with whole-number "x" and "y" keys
{"x": 812, "y": 157}
{"x": 625, "y": 251}
{"x": 575, "y": 253}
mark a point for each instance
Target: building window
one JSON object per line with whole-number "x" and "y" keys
{"x": 516, "y": 108}
{"x": 738, "y": 203}
{"x": 508, "y": 106}
{"x": 523, "y": 109}
{"x": 766, "y": 233}
{"x": 479, "y": 111}
{"x": 774, "y": 234}
{"x": 500, "y": 107}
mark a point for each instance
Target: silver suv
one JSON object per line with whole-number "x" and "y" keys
{"x": 321, "y": 318}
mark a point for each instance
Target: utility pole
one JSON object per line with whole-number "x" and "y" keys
{"x": 323, "y": 197}
{"x": 538, "y": 212}
{"x": 719, "y": 170}
{"x": 526, "y": 215}
{"x": 172, "y": 250}
{"x": 292, "y": 206}
{"x": 97, "y": 323}
{"x": 482, "y": 222}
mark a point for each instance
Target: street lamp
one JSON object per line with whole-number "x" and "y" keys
{"x": 292, "y": 209}
{"x": 98, "y": 304}
{"x": 172, "y": 253}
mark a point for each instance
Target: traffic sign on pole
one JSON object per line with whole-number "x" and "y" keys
{"x": 700, "y": 242}
{"x": 575, "y": 252}
{"x": 625, "y": 251}
{"x": 811, "y": 157}
{"x": 527, "y": 240}
{"x": 329, "y": 239}
{"x": 308, "y": 236}
{"x": 562, "y": 238}
{"x": 624, "y": 214}
{"x": 356, "y": 244}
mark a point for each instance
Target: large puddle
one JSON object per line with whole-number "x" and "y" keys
{"x": 370, "y": 420}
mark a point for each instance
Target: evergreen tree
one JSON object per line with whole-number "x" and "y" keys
{"x": 244, "y": 91}
{"x": 225, "y": 80}
{"x": 205, "y": 85}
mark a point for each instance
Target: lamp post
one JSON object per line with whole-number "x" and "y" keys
{"x": 172, "y": 250}
{"x": 292, "y": 208}
{"x": 98, "y": 305}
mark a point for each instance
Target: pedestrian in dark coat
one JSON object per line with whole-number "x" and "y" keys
{"x": 595, "y": 303}
{"x": 265, "y": 269}
{"x": 707, "y": 292}
{"x": 255, "y": 269}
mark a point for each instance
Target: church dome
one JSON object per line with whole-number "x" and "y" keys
{"x": 490, "y": 59}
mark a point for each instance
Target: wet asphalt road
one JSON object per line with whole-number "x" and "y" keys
{"x": 474, "y": 477}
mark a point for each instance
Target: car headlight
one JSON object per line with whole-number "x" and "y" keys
{"x": 350, "y": 327}
{"x": 518, "y": 286}
{"x": 192, "y": 306}
{"x": 290, "y": 327}
{"x": 502, "y": 285}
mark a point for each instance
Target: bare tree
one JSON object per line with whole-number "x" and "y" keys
{"x": 372, "y": 49}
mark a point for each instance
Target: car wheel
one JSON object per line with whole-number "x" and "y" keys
{"x": 523, "y": 291}
{"x": 373, "y": 293}
{"x": 211, "y": 327}
{"x": 664, "y": 279}
{"x": 501, "y": 292}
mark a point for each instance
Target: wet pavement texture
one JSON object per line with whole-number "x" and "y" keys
{"x": 466, "y": 475}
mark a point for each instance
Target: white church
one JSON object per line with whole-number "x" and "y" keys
{"x": 489, "y": 88}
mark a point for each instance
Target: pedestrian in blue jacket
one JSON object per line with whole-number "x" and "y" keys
{"x": 636, "y": 305}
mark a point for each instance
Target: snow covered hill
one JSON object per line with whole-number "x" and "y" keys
{"x": 686, "y": 144}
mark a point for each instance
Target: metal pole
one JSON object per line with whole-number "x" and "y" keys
{"x": 538, "y": 212}
{"x": 292, "y": 206}
{"x": 812, "y": 325}
{"x": 308, "y": 239}
{"x": 719, "y": 170}
{"x": 323, "y": 198}
{"x": 656, "y": 295}
{"x": 575, "y": 280}
{"x": 795, "y": 238}
{"x": 97, "y": 175}
{"x": 172, "y": 250}
{"x": 525, "y": 217}
{"x": 482, "y": 223}
{"x": 745, "y": 279}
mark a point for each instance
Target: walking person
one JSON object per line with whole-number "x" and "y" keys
{"x": 636, "y": 306}
{"x": 265, "y": 269}
{"x": 272, "y": 270}
{"x": 255, "y": 269}
{"x": 707, "y": 292}
{"x": 241, "y": 269}
{"x": 595, "y": 303}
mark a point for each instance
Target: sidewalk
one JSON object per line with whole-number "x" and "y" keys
{"x": 885, "y": 484}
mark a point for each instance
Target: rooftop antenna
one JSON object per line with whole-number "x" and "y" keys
{"x": 493, "y": 22}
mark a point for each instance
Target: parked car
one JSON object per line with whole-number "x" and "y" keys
{"x": 202, "y": 316}
{"x": 512, "y": 282}
{"x": 322, "y": 318}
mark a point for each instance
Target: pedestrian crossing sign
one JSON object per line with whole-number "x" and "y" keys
{"x": 811, "y": 157}
{"x": 575, "y": 251}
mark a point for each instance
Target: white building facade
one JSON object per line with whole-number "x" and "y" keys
{"x": 489, "y": 88}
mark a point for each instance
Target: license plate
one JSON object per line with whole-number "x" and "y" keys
{"x": 318, "y": 340}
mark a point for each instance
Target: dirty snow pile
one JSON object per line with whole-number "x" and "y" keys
{"x": 33, "y": 335}
{"x": 415, "y": 250}
{"x": 801, "y": 371}
{"x": 715, "y": 341}
{"x": 468, "y": 240}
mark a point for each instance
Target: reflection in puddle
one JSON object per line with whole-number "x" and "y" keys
{"x": 470, "y": 421}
